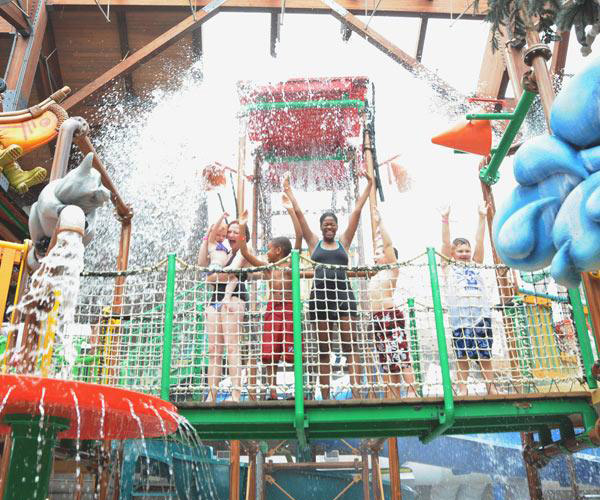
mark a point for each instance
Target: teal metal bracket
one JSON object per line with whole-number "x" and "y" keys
{"x": 489, "y": 174}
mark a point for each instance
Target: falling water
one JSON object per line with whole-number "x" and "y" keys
{"x": 56, "y": 279}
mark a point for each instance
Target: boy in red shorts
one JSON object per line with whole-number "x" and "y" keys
{"x": 278, "y": 324}
{"x": 391, "y": 341}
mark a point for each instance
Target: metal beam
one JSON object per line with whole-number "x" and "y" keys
{"x": 124, "y": 46}
{"x": 388, "y": 48}
{"x": 421, "y": 39}
{"x": 274, "y": 33}
{"x": 23, "y": 62}
{"x": 444, "y": 9}
{"x": 197, "y": 43}
{"x": 11, "y": 13}
{"x": 146, "y": 53}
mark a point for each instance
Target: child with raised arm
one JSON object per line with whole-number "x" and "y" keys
{"x": 216, "y": 256}
{"x": 278, "y": 322}
{"x": 469, "y": 311}
{"x": 391, "y": 341}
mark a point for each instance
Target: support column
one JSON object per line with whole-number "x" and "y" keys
{"x": 31, "y": 455}
{"x": 251, "y": 479}
{"x": 234, "y": 470}
{"x": 367, "y": 146}
{"x": 533, "y": 476}
{"x": 394, "y": 465}
{"x": 260, "y": 475}
{"x": 365, "y": 473}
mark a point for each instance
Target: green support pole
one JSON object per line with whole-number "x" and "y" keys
{"x": 165, "y": 376}
{"x": 446, "y": 417}
{"x": 489, "y": 174}
{"x": 337, "y": 103}
{"x": 582, "y": 334}
{"x": 414, "y": 345}
{"x": 299, "y": 420}
{"x": 31, "y": 455}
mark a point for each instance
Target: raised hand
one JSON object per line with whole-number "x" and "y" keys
{"x": 286, "y": 202}
{"x": 483, "y": 209}
{"x": 243, "y": 218}
{"x": 287, "y": 185}
{"x": 366, "y": 175}
{"x": 445, "y": 211}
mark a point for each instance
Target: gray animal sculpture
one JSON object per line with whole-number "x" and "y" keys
{"x": 82, "y": 187}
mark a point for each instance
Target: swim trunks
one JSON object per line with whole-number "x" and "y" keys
{"x": 391, "y": 341}
{"x": 278, "y": 333}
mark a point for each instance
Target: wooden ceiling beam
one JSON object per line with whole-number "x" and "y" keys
{"x": 11, "y": 13}
{"x": 124, "y": 46}
{"x": 559, "y": 54}
{"x": 491, "y": 74}
{"x": 146, "y": 53}
{"x": 406, "y": 8}
{"x": 374, "y": 38}
{"x": 24, "y": 61}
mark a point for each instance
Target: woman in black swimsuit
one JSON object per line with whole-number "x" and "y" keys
{"x": 332, "y": 300}
{"x": 223, "y": 321}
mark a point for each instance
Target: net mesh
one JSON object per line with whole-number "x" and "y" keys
{"x": 367, "y": 332}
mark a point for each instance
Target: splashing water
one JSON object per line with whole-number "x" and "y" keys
{"x": 57, "y": 279}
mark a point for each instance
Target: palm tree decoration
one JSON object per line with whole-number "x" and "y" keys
{"x": 551, "y": 17}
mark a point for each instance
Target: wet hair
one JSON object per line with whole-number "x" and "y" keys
{"x": 329, "y": 213}
{"x": 460, "y": 241}
{"x": 284, "y": 243}
{"x": 238, "y": 223}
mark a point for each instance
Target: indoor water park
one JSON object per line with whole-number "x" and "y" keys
{"x": 240, "y": 260}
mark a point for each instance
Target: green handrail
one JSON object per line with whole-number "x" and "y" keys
{"x": 299, "y": 420}
{"x": 334, "y": 103}
{"x": 582, "y": 334}
{"x": 165, "y": 376}
{"x": 446, "y": 417}
{"x": 490, "y": 116}
{"x": 489, "y": 174}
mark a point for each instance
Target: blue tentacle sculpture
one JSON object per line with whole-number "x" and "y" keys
{"x": 553, "y": 215}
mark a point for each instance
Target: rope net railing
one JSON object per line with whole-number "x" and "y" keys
{"x": 367, "y": 332}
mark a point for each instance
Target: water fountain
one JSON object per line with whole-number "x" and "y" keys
{"x": 35, "y": 411}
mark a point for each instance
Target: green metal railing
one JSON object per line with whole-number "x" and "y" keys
{"x": 446, "y": 416}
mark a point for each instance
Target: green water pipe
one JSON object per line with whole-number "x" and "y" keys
{"x": 31, "y": 455}
{"x": 335, "y": 103}
{"x": 490, "y": 116}
{"x": 339, "y": 156}
{"x": 165, "y": 376}
{"x": 414, "y": 344}
{"x": 447, "y": 416}
{"x": 489, "y": 174}
{"x": 299, "y": 419}
{"x": 582, "y": 334}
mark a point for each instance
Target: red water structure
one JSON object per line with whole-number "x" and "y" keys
{"x": 309, "y": 119}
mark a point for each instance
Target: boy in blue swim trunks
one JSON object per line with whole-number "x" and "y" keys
{"x": 469, "y": 311}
